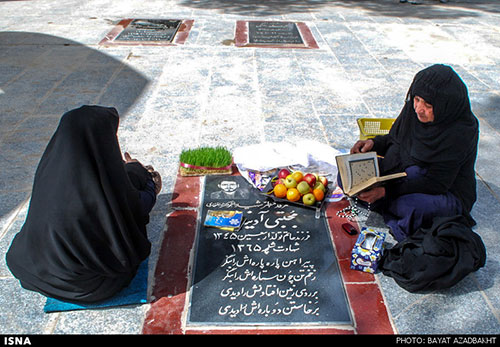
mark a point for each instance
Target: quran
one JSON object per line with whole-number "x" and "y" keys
{"x": 360, "y": 172}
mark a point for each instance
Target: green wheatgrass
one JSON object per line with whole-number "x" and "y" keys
{"x": 207, "y": 156}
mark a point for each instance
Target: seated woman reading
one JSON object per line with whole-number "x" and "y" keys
{"x": 85, "y": 233}
{"x": 434, "y": 140}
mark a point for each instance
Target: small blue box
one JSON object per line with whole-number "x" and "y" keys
{"x": 367, "y": 250}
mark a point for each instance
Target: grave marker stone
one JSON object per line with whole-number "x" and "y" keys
{"x": 150, "y": 30}
{"x": 156, "y": 32}
{"x": 274, "y": 34}
{"x": 278, "y": 269}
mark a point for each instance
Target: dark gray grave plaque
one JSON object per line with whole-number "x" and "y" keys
{"x": 279, "y": 33}
{"x": 150, "y": 30}
{"x": 279, "y": 268}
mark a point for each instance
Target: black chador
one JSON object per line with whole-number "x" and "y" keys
{"x": 85, "y": 233}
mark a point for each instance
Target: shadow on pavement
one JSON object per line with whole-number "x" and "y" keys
{"x": 428, "y": 9}
{"x": 41, "y": 77}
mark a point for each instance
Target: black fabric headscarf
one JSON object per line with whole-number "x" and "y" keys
{"x": 445, "y": 147}
{"x": 454, "y": 129}
{"x": 84, "y": 236}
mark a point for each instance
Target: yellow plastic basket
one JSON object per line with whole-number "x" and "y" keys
{"x": 371, "y": 127}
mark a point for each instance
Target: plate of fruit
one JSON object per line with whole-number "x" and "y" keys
{"x": 306, "y": 189}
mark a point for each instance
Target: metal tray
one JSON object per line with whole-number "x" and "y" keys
{"x": 267, "y": 191}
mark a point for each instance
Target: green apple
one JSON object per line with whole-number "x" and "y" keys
{"x": 290, "y": 182}
{"x": 320, "y": 186}
{"x": 303, "y": 187}
{"x": 309, "y": 199}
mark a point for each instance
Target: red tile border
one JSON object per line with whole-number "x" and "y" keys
{"x": 186, "y": 192}
{"x": 369, "y": 309}
{"x": 171, "y": 279}
{"x": 179, "y": 38}
{"x": 165, "y": 316}
{"x": 241, "y": 37}
{"x": 366, "y": 300}
{"x": 344, "y": 244}
{"x": 171, "y": 275}
{"x": 171, "y": 270}
{"x": 273, "y": 331}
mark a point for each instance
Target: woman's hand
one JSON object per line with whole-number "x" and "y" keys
{"x": 362, "y": 146}
{"x": 154, "y": 174}
{"x": 372, "y": 195}
{"x": 128, "y": 158}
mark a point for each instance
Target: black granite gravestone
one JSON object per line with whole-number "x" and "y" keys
{"x": 279, "y": 268}
{"x": 270, "y": 32}
{"x": 141, "y": 30}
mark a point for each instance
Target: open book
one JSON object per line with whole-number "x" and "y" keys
{"x": 360, "y": 171}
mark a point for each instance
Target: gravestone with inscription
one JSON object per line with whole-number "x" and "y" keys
{"x": 272, "y": 32}
{"x": 150, "y": 30}
{"x": 279, "y": 268}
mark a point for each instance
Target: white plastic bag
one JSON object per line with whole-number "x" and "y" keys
{"x": 257, "y": 162}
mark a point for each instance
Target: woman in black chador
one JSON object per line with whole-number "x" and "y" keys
{"x": 434, "y": 139}
{"x": 85, "y": 233}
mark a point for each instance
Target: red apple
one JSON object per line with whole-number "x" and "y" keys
{"x": 278, "y": 181}
{"x": 310, "y": 179}
{"x": 283, "y": 173}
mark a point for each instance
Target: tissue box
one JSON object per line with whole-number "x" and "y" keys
{"x": 367, "y": 250}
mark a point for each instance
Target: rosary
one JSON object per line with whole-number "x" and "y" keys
{"x": 352, "y": 211}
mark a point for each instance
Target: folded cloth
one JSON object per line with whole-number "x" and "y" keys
{"x": 305, "y": 155}
{"x": 135, "y": 293}
{"x": 268, "y": 155}
{"x": 435, "y": 258}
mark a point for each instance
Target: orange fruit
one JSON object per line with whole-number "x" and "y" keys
{"x": 319, "y": 194}
{"x": 293, "y": 194}
{"x": 280, "y": 190}
{"x": 297, "y": 176}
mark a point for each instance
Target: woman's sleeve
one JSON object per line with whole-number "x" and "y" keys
{"x": 143, "y": 182}
{"x": 148, "y": 197}
{"x": 438, "y": 179}
{"x": 380, "y": 144}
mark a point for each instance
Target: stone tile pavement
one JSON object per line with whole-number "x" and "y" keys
{"x": 209, "y": 92}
